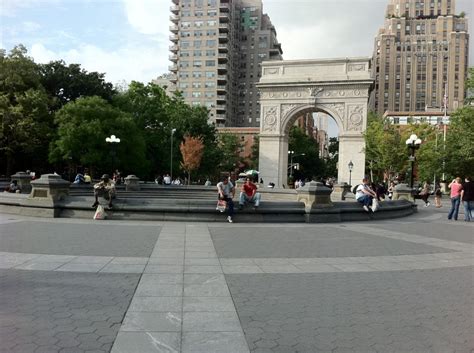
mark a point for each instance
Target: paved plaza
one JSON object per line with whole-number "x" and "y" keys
{"x": 401, "y": 285}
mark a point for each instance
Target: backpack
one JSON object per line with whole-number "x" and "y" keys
{"x": 354, "y": 189}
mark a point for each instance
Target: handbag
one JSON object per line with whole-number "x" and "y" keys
{"x": 99, "y": 213}
{"x": 221, "y": 205}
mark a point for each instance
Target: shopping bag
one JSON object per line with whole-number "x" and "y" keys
{"x": 221, "y": 205}
{"x": 100, "y": 212}
{"x": 375, "y": 205}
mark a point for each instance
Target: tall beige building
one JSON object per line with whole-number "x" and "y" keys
{"x": 217, "y": 47}
{"x": 420, "y": 55}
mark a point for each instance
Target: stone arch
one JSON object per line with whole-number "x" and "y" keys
{"x": 338, "y": 87}
{"x": 290, "y": 117}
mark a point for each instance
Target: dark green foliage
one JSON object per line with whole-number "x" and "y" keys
{"x": 311, "y": 166}
{"x": 83, "y": 126}
{"x": 25, "y": 125}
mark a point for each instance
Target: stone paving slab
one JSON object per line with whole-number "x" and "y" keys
{"x": 316, "y": 242}
{"x": 182, "y": 291}
{"x": 184, "y": 282}
{"x": 78, "y": 238}
{"x": 419, "y": 311}
{"x": 59, "y": 312}
{"x": 440, "y": 230}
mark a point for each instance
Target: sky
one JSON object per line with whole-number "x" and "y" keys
{"x": 129, "y": 39}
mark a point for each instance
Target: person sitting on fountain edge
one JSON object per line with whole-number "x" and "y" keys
{"x": 365, "y": 195}
{"x": 106, "y": 189}
{"x": 248, "y": 193}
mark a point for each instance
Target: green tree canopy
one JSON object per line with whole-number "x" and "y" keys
{"x": 229, "y": 147}
{"x": 460, "y": 143}
{"x": 65, "y": 83}
{"x": 331, "y": 162}
{"x": 156, "y": 114}
{"x": 25, "y": 125}
{"x": 83, "y": 126}
{"x": 385, "y": 150}
{"x": 307, "y": 151}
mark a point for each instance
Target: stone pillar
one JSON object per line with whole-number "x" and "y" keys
{"x": 403, "y": 192}
{"x": 132, "y": 183}
{"x": 46, "y": 193}
{"x": 24, "y": 181}
{"x": 49, "y": 187}
{"x": 340, "y": 190}
{"x": 314, "y": 195}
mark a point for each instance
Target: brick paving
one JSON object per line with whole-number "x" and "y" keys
{"x": 399, "y": 286}
{"x": 62, "y": 312}
{"x": 417, "y": 311}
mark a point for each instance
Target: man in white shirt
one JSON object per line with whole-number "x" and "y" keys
{"x": 365, "y": 195}
{"x": 226, "y": 192}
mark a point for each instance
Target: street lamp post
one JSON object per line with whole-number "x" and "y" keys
{"x": 292, "y": 155}
{"x": 350, "y": 165}
{"x": 113, "y": 140}
{"x": 413, "y": 143}
{"x": 171, "y": 154}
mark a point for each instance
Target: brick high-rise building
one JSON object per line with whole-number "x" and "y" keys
{"x": 217, "y": 49}
{"x": 420, "y": 55}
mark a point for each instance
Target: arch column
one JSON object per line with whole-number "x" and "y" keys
{"x": 351, "y": 148}
{"x": 273, "y": 159}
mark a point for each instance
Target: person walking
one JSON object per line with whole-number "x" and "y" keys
{"x": 226, "y": 192}
{"x": 425, "y": 193}
{"x": 467, "y": 197}
{"x": 456, "y": 188}
{"x": 438, "y": 194}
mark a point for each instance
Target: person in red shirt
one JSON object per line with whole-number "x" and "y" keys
{"x": 249, "y": 194}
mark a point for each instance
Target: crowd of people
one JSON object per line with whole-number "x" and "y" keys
{"x": 368, "y": 194}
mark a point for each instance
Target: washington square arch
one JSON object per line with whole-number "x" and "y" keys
{"x": 289, "y": 89}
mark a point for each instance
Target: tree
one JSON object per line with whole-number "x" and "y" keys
{"x": 192, "y": 150}
{"x": 470, "y": 86}
{"x": 385, "y": 151}
{"x": 25, "y": 125}
{"x": 307, "y": 149}
{"x": 83, "y": 126}
{"x": 255, "y": 150}
{"x": 230, "y": 147}
{"x": 331, "y": 162}
{"x": 459, "y": 143}
{"x": 67, "y": 83}
{"x": 156, "y": 114}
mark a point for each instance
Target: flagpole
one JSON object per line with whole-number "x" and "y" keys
{"x": 445, "y": 99}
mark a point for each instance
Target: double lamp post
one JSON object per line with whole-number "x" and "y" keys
{"x": 293, "y": 155}
{"x": 413, "y": 143}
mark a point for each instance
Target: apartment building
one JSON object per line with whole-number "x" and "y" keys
{"x": 420, "y": 57}
{"x": 217, "y": 46}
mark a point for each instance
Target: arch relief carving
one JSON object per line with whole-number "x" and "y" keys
{"x": 270, "y": 119}
{"x": 355, "y": 118}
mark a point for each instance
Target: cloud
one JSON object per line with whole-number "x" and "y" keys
{"x": 139, "y": 63}
{"x": 29, "y": 26}
{"x": 10, "y": 7}
{"x": 148, "y": 16}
